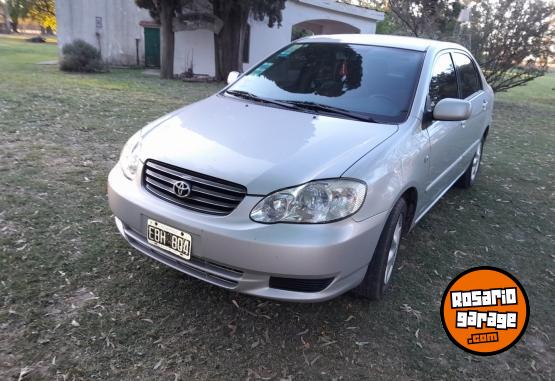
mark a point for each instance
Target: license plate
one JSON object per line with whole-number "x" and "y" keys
{"x": 170, "y": 239}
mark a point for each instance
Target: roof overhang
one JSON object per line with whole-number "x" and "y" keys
{"x": 149, "y": 24}
{"x": 348, "y": 9}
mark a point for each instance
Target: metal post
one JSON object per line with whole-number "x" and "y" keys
{"x": 137, "y": 40}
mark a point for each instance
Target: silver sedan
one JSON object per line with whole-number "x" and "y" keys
{"x": 298, "y": 180}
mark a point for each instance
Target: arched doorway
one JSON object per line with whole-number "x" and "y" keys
{"x": 317, "y": 27}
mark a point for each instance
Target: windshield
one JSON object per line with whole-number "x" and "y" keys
{"x": 371, "y": 80}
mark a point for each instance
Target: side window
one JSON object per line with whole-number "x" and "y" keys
{"x": 444, "y": 80}
{"x": 470, "y": 79}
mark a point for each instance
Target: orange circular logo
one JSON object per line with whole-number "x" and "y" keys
{"x": 485, "y": 311}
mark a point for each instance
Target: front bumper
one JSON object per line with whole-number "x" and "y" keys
{"x": 238, "y": 254}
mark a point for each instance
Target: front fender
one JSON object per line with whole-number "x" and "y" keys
{"x": 399, "y": 163}
{"x": 382, "y": 173}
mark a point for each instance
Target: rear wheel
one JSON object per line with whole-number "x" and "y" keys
{"x": 379, "y": 272}
{"x": 469, "y": 177}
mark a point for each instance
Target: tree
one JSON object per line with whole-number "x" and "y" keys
{"x": 426, "y": 18}
{"x": 164, "y": 11}
{"x": 230, "y": 39}
{"x": 418, "y": 18}
{"x": 44, "y": 12}
{"x": 511, "y": 40}
{"x": 17, "y": 9}
{"x": 4, "y": 12}
{"x": 229, "y": 42}
{"x": 389, "y": 23}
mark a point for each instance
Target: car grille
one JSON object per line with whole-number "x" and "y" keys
{"x": 208, "y": 194}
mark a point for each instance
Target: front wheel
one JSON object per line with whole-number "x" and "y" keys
{"x": 378, "y": 275}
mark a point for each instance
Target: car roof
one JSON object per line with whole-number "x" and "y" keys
{"x": 401, "y": 42}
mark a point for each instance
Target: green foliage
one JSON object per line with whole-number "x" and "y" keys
{"x": 425, "y": 18}
{"x": 266, "y": 8}
{"x": 511, "y": 39}
{"x": 260, "y": 9}
{"x": 43, "y": 12}
{"x": 17, "y": 10}
{"x": 154, "y": 6}
{"x": 419, "y": 18}
{"x": 388, "y": 25}
{"x": 80, "y": 56}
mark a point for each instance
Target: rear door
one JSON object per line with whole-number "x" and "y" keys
{"x": 447, "y": 139}
{"x": 471, "y": 89}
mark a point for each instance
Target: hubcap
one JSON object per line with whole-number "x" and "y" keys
{"x": 393, "y": 249}
{"x": 476, "y": 163}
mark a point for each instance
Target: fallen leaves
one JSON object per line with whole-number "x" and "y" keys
{"x": 249, "y": 312}
{"x": 408, "y": 309}
{"x": 24, "y": 372}
{"x": 158, "y": 365}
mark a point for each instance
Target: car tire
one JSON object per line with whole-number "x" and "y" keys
{"x": 378, "y": 275}
{"x": 468, "y": 179}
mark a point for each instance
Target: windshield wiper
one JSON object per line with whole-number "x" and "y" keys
{"x": 332, "y": 110}
{"x": 252, "y": 97}
{"x": 302, "y": 105}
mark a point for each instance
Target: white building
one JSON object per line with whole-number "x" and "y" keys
{"x": 126, "y": 35}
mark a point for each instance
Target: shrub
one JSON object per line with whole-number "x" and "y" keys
{"x": 82, "y": 57}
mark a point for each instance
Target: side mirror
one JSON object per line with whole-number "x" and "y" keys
{"x": 232, "y": 77}
{"x": 451, "y": 109}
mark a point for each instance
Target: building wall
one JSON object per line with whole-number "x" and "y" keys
{"x": 120, "y": 29}
{"x": 196, "y": 47}
{"x": 117, "y": 35}
{"x": 265, "y": 40}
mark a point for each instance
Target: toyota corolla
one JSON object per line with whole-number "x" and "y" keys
{"x": 298, "y": 180}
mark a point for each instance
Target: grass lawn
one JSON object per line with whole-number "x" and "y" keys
{"x": 77, "y": 303}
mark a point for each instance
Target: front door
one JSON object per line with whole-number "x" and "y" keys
{"x": 152, "y": 47}
{"x": 447, "y": 139}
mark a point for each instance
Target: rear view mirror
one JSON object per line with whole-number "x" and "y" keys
{"x": 451, "y": 109}
{"x": 232, "y": 77}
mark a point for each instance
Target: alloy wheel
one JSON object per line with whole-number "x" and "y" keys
{"x": 476, "y": 163}
{"x": 394, "y": 248}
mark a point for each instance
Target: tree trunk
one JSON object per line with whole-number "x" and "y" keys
{"x": 228, "y": 44}
{"x": 6, "y": 18}
{"x": 167, "y": 40}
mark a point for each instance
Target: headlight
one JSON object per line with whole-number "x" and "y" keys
{"x": 312, "y": 203}
{"x": 130, "y": 155}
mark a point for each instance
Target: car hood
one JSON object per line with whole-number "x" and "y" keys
{"x": 263, "y": 148}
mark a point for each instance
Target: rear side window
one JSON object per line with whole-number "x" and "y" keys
{"x": 444, "y": 80}
{"x": 470, "y": 79}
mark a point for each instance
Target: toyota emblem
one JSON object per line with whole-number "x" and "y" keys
{"x": 182, "y": 189}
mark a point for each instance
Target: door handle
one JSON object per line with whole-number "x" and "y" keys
{"x": 485, "y": 105}
{"x": 463, "y": 124}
